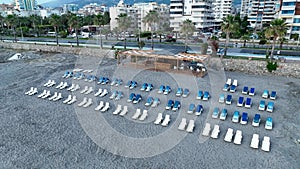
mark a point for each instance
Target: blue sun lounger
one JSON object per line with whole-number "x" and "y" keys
{"x": 252, "y": 91}
{"x": 232, "y": 88}
{"x": 262, "y": 105}
{"x": 228, "y": 99}
{"x": 200, "y": 95}
{"x": 240, "y": 102}
{"x": 245, "y": 90}
{"x": 226, "y": 87}
{"x": 206, "y": 96}
{"x": 199, "y": 110}
{"x": 273, "y": 95}
{"x": 244, "y": 118}
{"x": 265, "y": 94}
{"x": 248, "y": 103}
{"x": 270, "y": 107}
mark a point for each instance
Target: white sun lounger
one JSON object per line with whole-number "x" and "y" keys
{"x": 46, "y": 84}
{"x": 86, "y": 88}
{"x": 124, "y": 111}
{"x": 159, "y": 118}
{"x": 88, "y": 103}
{"x": 229, "y": 135}
{"x": 74, "y": 99}
{"x": 254, "y": 141}
{"x": 29, "y": 91}
{"x": 118, "y": 110}
{"x": 166, "y": 120}
{"x": 182, "y": 124}
{"x": 100, "y": 106}
{"x": 58, "y": 97}
{"x": 51, "y": 84}
{"x": 64, "y": 86}
{"x": 42, "y": 94}
{"x": 46, "y": 95}
{"x": 228, "y": 81}
{"x": 90, "y": 90}
{"x": 235, "y": 82}
{"x": 60, "y": 85}
{"x": 68, "y": 99}
{"x": 106, "y": 107}
{"x": 33, "y": 92}
{"x": 54, "y": 96}
{"x": 71, "y": 87}
{"x": 266, "y": 144}
{"x": 98, "y": 93}
{"x": 77, "y": 87}
{"x": 215, "y": 132}
{"x": 144, "y": 115}
{"x": 238, "y": 137}
{"x": 206, "y": 130}
{"x": 190, "y": 127}
{"x": 137, "y": 114}
{"x": 105, "y": 92}
{"x": 84, "y": 101}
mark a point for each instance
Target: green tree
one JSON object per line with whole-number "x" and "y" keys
{"x": 12, "y": 22}
{"x": 228, "y": 26}
{"x": 124, "y": 23}
{"x": 245, "y": 38}
{"x": 99, "y": 20}
{"x": 151, "y": 19}
{"x": 35, "y": 20}
{"x": 276, "y": 30}
{"x": 74, "y": 22}
{"x": 54, "y": 21}
{"x": 187, "y": 29}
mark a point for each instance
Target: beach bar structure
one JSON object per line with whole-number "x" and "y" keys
{"x": 157, "y": 62}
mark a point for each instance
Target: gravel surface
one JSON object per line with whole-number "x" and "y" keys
{"x": 38, "y": 133}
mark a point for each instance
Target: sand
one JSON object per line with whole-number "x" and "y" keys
{"x": 37, "y": 133}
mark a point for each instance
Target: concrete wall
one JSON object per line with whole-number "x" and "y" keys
{"x": 288, "y": 69}
{"x": 60, "y": 49}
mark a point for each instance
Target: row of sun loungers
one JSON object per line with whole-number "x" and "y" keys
{"x": 86, "y": 102}
{"x": 140, "y": 115}
{"x": 70, "y": 100}
{"x": 120, "y": 111}
{"x": 230, "y": 86}
{"x": 163, "y": 121}
{"x": 183, "y": 125}
{"x": 193, "y": 109}
{"x": 203, "y": 95}
{"x": 247, "y": 91}
{"x": 269, "y": 107}
{"x": 32, "y": 91}
{"x": 265, "y": 143}
{"x": 102, "y": 107}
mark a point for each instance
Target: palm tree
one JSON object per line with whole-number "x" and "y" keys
{"x": 99, "y": 20}
{"x": 74, "y": 23}
{"x": 54, "y": 21}
{"x": 124, "y": 23}
{"x": 229, "y": 26}
{"x": 187, "y": 29}
{"x": 35, "y": 19}
{"x": 152, "y": 18}
{"x": 245, "y": 38}
{"x": 11, "y": 22}
{"x": 276, "y": 30}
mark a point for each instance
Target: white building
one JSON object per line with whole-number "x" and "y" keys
{"x": 137, "y": 12}
{"x": 259, "y": 12}
{"x": 27, "y": 5}
{"x": 221, "y": 9}
{"x": 200, "y": 12}
{"x": 73, "y": 8}
{"x": 290, "y": 12}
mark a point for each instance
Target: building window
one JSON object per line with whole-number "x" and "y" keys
{"x": 296, "y": 20}
{"x": 288, "y": 12}
{"x": 289, "y": 4}
{"x": 296, "y": 28}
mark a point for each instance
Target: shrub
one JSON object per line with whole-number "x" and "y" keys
{"x": 63, "y": 34}
{"x": 141, "y": 44}
{"x": 271, "y": 66}
{"x": 262, "y": 41}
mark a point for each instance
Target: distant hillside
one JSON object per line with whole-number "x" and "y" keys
{"x": 81, "y": 3}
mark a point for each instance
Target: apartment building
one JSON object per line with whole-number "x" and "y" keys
{"x": 259, "y": 12}
{"x": 200, "y": 12}
{"x": 221, "y": 9}
{"x": 27, "y": 5}
{"x": 137, "y": 12}
{"x": 290, "y": 12}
